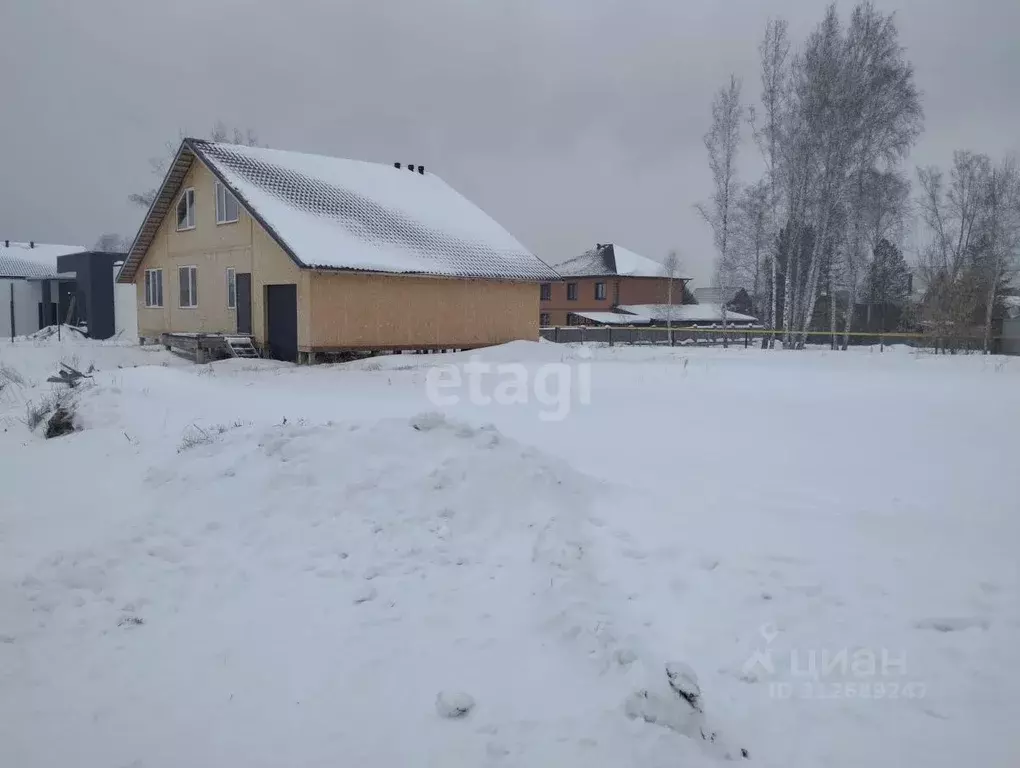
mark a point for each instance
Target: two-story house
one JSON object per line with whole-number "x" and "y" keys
{"x": 601, "y": 279}
{"x": 311, "y": 254}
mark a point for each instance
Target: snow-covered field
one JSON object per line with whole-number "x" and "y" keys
{"x": 251, "y": 564}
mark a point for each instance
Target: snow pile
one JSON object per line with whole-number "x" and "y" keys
{"x": 38, "y": 356}
{"x": 531, "y": 352}
{"x": 307, "y": 588}
{"x": 797, "y": 558}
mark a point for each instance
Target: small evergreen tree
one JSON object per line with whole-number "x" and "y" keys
{"x": 888, "y": 283}
{"x": 741, "y": 302}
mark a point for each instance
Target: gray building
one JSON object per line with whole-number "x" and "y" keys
{"x": 93, "y": 290}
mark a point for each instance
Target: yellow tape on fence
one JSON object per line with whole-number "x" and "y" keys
{"x": 761, "y": 332}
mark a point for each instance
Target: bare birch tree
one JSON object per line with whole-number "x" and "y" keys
{"x": 890, "y": 114}
{"x": 671, "y": 268}
{"x": 160, "y": 165}
{"x": 1000, "y": 226}
{"x": 774, "y": 54}
{"x": 111, "y": 242}
{"x": 723, "y": 144}
{"x": 839, "y": 110}
{"x": 951, "y": 209}
{"x": 753, "y": 236}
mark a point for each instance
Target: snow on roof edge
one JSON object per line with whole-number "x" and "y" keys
{"x": 334, "y": 207}
{"x": 38, "y": 262}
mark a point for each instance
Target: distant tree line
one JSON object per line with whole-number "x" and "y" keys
{"x": 817, "y": 242}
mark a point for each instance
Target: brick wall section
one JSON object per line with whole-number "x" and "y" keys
{"x": 649, "y": 290}
{"x": 619, "y": 290}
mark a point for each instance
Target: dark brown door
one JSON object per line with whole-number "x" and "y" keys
{"x": 281, "y": 319}
{"x": 243, "y": 288}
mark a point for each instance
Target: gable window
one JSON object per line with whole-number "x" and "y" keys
{"x": 543, "y": 319}
{"x": 188, "y": 277}
{"x": 600, "y": 291}
{"x": 154, "y": 287}
{"x": 571, "y": 291}
{"x": 231, "y": 288}
{"x": 226, "y": 205}
{"x": 546, "y": 292}
{"x": 186, "y": 210}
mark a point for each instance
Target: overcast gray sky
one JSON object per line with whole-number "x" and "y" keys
{"x": 570, "y": 122}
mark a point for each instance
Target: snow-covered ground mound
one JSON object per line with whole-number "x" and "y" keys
{"x": 310, "y": 589}
{"x": 805, "y": 556}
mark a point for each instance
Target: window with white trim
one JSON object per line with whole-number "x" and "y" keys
{"x": 154, "y": 287}
{"x": 188, "y": 278}
{"x": 226, "y": 205}
{"x": 186, "y": 210}
{"x": 231, "y": 288}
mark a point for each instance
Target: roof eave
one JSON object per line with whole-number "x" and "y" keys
{"x": 132, "y": 260}
{"x": 436, "y": 275}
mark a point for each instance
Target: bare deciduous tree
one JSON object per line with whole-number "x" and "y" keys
{"x": 774, "y": 54}
{"x": 951, "y": 209}
{"x": 671, "y": 268}
{"x": 843, "y": 108}
{"x": 752, "y": 241}
{"x": 1000, "y": 228}
{"x": 890, "y": 116}
{"x": 111, "y": 242}
{"x": 159, "y": 165}
{"x": 723, "y": 144}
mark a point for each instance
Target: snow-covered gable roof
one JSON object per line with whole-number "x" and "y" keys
{"x": 609, "y": 259}
{"x": 38, "y": 262}
{"x": 715, "y": 294}
{"x": 614, "y": 318}
{"x": 686, "y": 313}
{"x": 348, "y": 214}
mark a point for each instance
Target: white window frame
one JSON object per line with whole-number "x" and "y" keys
{"x": 152, "y": 296}
{"x": 188, "y": 198}
{"x": 192, "y": 286}
{"x": 222, "y": 196}
{"x": 231, "y": 288}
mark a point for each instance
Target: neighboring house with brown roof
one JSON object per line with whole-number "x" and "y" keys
{"x": 603, "y": 278}
{"x": 316, "y": 254}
